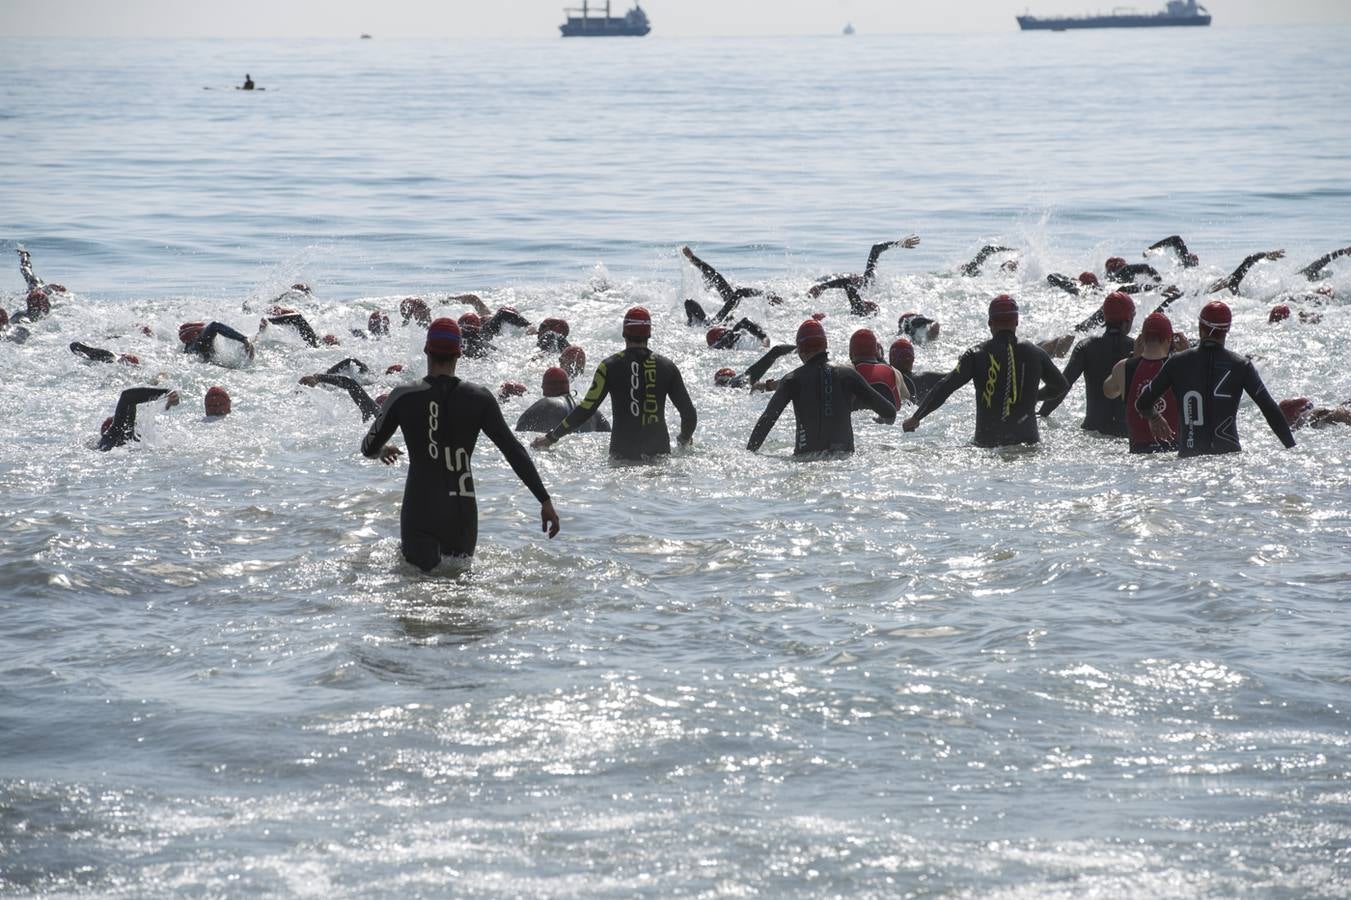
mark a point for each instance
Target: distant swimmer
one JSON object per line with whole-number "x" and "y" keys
{"x": 441, "y": 417}
{"x": 728, "y": 377}
{"x": 248, "y": 82}
{"x": 1209, "y": 382}
{"x": 1094, "y": 359}
{"x": 1175, "y": 243}
{"x": 1231, "y": 282}
{"x": 1316, "y": 270}
{"x": 549, "y": 411}
{"x": 98, "y": 354}
{"x": 120, "y": 428}
{"x": 35, "y": 283}
{"x": 972, "y": 269}
{"x": 1007, "y": 373}
{"x": 415, "y": 309}
{"x": 1301, "y": 411}
{"x": 1129, "y": 378}
{"x": 638, "y": 383}
{"x": 200, "y": 339}
{"x": 730, "y": 296}
{"x": 865, "y": 354}
{"x": 1121, "y": 272}
{"x": 368, "y": 408}
{"x": 551, "y": 336}
{"x": 823, "y": 397}
{"x": 920, "y": 329}
{"x": 377, "y": 323}
{"x": 857, "y": 305}
{"x": 869, "y": 275}
{"x": 743, "y": 335}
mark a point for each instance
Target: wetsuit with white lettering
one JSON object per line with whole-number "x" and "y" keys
{"x": 1140, "y": 372}
{"x": 546, "y": 413}
{"x": 123, "y": 428}
{"x": 638, "y": 383}
{"x": 1007, "y": 372}
{"x": 823, "y": 398}
{"x": 441, "y": 418}
{"x": 1209, "y": 381}
{"x": 1094, "y": 359}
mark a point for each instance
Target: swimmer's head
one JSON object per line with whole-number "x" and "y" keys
{"x": 470, "y": 322}
{"x": 216, "y": 401}
{"x": 129, "y": 359}
{"x": 573, "y": 360}
{"x": 38, "y": 303}
{"x": 715, "y": 334}
{"x": 863, "y": 346}
{"x": 1279, "y": 313}
{"x": 380, "y": 401}
{"x": 554, "y": 324}
{"x": 637, "y": 324}
{"x": 301, "y": 286}
{"x": 919, "y": 328}
{"x": 188, "y": 331}
{"x": 443, "y": 339}
{"x": 555, "y": 382}
{"x": 724, "y": 376}
{"x": 811, "y": 339}
{"x": 330, "y": 340}
{"x": 1003, "y": 313}
{"x": 510, "y": 389}
{"x": 1295, "y": 409}
{"x": 1088, "y": 279}
{"x": 902, "y": 354}
{"x": 1118, "y": 309}
{"x": 1215, "y": 320}
{"x": 1113, "y": 263}
{"x": 378, "y": 323}
{"x": 1157, "y": 328}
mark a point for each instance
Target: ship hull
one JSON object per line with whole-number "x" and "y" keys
{"x": 602, "y": 28}
{"x": 1035, "y": 23}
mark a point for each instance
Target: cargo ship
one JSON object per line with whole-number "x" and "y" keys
{"x": 1178, "y": 12}
{"x": 591, "y": 24}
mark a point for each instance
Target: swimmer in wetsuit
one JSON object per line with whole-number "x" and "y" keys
{"x": 1007, "y": 373}
{"x": 1175, "y": 243}
{"x": 730, "y": 296}
{"x": 199, "y": 339}
{"x": 121, "y": 428}
{"x": 1129, "y": 377}
{"x": 248, "y": 82}
{"x": 1231, "y": 282}
{"x": 546, "y": 413}
{"x": 638, "y": 383}
{"x": 369, "y": 408}
{"x": 901, "y": 355}
{"x": 972, "y": 268}
{"x": 1094, "y": 359}
{"x": 441, "y": 418}
{"x": 721, "y": 338}
{"x": 1301, "y": 411}
{"x": 823, "y": 397}
{"x": 728, "y": 377}
{"x": 1314, "y": 271}
{"x": 864, "y": 281}
{"x": 295, "y": 320}
{"x": 98, "y": 354}
{"x": 1209, "y": 382}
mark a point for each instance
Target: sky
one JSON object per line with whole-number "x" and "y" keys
{"x": 540, "y": 18}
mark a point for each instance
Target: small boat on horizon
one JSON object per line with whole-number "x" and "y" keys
{"x": 1177, "y": 12}
{"x": 634, "y": 23}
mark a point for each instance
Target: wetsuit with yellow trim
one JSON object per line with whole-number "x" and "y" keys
{"x": 1007, "y": 373}
{"x": 638, "y": 383}
{"x": 823, "y": 397}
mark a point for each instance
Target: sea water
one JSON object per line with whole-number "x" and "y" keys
{"x": 925, "y": 669}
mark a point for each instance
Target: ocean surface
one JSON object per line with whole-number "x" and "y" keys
{"x": 928, "y": 669}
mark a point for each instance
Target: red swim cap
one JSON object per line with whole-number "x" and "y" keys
{"x": 573, "y": 360}
{"x": 723, "y": 376}
{"x": 378, "y": 323}
{"x": 1215, "y": 318}
{"x": 38, "y": 304}
{"x": 1279, "y": 313}
{"x": 552, "y": 324}
{"x": 863, "y": 346}
{"x": 1113, "y": 263}
{"x": 555, "y": 383}
{"x": 397, "y": 367}
{"x": 902, "y": 354}
{"x": 414, "y": 308}
{"x": 637, "y": 323}
{"x": 1003, "y": 312}
{"x": 188, "y": 331}
{"x": 1157, "y": 328}
{"x": 107, "y": 423}
{"x": 1090, "y": 278}
{"x": 470, "y": 322}
{"x": 1118, "y": 308}
{"x": 129, "y": 359}
{"x": 1295, "y": 407}
{"x": 330, "y": 340}
{"x": 217, "y": 401}
{"x": 811, "y": 338}
{"x": 715, "y": 334}
{"x": 443, "y": 338}
{"x": 510, "y": 389}
{"x": 380, "y": 401}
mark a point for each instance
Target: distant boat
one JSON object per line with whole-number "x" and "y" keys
{"x": 849, "y": 28}
{"x": 1178, "y": 12}
{"x": 632, "y": 24}
{"x": 365, "y": 37}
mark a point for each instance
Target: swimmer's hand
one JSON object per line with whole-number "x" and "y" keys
{"x": 910, "y": 240}
{"x": 1160, "y": 429}
{"x": 548, "y": 517}
{"x": 912, "y": 423}
{"x": 171, "y": 400}
{"x": 685, "y": 441}
{"x": 390, "y": 454}
{"x": 1275, "y": 254}
{"x": 541, "y": 443}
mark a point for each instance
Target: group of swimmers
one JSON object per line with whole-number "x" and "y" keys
{"x": 1156, "y": 390}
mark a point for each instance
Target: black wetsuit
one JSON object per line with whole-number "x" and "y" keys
{"x": 350, "y": 364}
{"x": 441, "y": 417}
{"x": 638, "y": 382}
{"x": 1007, "y": 372}
{"x": 1314, "y": 270}
{"x": 1094, "y": 359}
{"x": 203, "y": 345}
{"x": 26, "y": 269}
{"x": 730, "y": 296}
{"x": 757, "y": 369}
{"x": 491, "y": 328}
{"x": 1209, "y": 381}
{"x": 1177, "y": 245}
{"x": 972, "y": 268}
{"x": 369, "y": 408}
{"x": 1235, "y": 278}
{"x": 823, "y": 397}
{"x": 920, "y": 384}
{"x": 850, "y": 285}
{"x": 298, "y": 322}
{"x": 548, "y": 341}
{"x": 1128, "y": 274}
{"x": 95, "y": 354}
{"x": 545, "y": 414}
{"x": 1064, "y": 282}
{"x": 123, "y": 428}
{"x": 732, "y": 338}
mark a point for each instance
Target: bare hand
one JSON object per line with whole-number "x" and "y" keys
{"x": 548, "y": 519}
{"x": 171, "y": 400}
{"x": 1160, "y": 429}
{"x": 910, "y": 240}
{"x": 910, "y": 424}
{"x": 689, "y": 254}
{"x": 1276, "y": 254}
{"x": 390, "y": 454}
{"x": 541, "y": 443}
{"x": 309, "y": 380}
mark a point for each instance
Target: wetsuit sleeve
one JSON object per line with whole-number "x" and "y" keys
{"x": 973, "y": 268}
{"x": 1135, "y": 269}
{"x": 358, "y": 394}
{"x": 689, "y": 418}
{"x": 712, "y": 277}
{"x": 1055, "y": 279}
{"x": 202, "y": 345}
{"x": 96, "y": 354}
{"x": 495, "y": 427}
{"x": 1252, "y": 383}
{"x": 694, "y": 313}
{"x": 349, "y": 361}
{"x": 124, "y": 417}
{"x": 1098, "y": 318}
{"x": 869, "y": 396}
{"x": 297, "y": 321}
{"x": 26, "y": 269}
{"x": 943, "y": 389}
{"x": 1155, "y": 388}
{"x": 763, "y": 364}
{"x": 1314, "y": 269}
{"x": 751, "y": 328}
{"x": 1052, "y": 377}
{"x": 1073, "y": 370}
{"x": 1236, "y": 277}
{"x": 382, "y": 429}
{"x": 502, "y": 317}
{"x": 1173, "y": 242}
{"x": 782, "y": 394}
{"x": 586, "y": 408}
{"x": 870, "y": 270}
